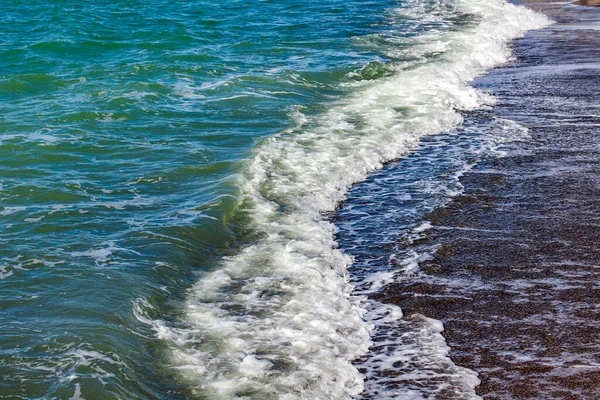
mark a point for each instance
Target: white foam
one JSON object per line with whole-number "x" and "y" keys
{"x": 377, "y": 280}
{"x": 425, "y": 226}
{"x": 42, "y": 136}
{"x": 11, "y": 210}
{"x": 414, "y": 362}
{"x": 278, "y": 319}
{"x": 5, "y": 272}
{"x": 77, "y": 394}
{"x": 104, "y": 254}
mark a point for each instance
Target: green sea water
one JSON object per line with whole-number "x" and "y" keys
{"x": 123, "y": 125}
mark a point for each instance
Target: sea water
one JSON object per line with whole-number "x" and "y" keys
{"x": 167, "y": 168}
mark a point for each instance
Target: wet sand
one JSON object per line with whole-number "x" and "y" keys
{"x": 516, "y": 274}
{"x": 589, "y": 3}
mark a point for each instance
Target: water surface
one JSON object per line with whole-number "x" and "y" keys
{"x": 166, "y": 171}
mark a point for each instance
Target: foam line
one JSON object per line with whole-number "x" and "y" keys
{"x": 278, "y": 319}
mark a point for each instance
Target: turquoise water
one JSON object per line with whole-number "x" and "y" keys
{"x": 165, "y": 167}
{"x": 122, "y": 127}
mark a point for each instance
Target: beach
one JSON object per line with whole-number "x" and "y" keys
{"x": 509, "y": 264}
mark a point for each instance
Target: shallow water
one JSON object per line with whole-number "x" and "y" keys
{"x": 381, "y": 225}
{"x": 507, "y": 260}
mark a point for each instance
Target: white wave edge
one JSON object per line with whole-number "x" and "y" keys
{"x": 278, "y": 320}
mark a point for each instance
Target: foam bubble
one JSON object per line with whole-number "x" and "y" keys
{"x": 104, "y": 254}
{"x": 5, "y": 272}
{"x": 77, "y": 394}
{"x": 414, "y": 362}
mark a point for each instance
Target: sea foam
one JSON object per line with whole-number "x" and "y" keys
{"x": 279, "y": 318}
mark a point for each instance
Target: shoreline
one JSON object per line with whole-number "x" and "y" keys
{"x": 508, "y": 265}
{"x": 523, "y": 231}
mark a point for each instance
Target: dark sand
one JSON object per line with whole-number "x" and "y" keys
{"x": 526, "y": 232}
{"x": 594, "y": 3}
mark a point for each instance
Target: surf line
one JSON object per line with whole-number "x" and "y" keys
{"x": 279, "y": 318}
